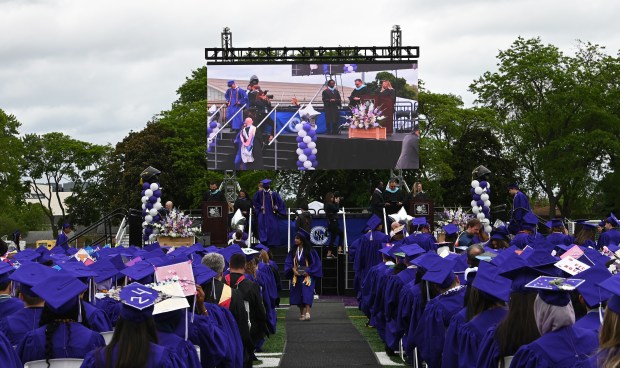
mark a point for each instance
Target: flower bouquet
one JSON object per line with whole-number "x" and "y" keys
{"x": 365, "y": 116}
{"x": 176, "y": 225}
{"x": 457, "y": 217}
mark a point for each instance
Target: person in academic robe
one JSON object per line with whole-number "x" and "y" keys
{"x": 267, "y": 281}
{"x": 63, "y": 240}
{"x": 367, "y": 253}
{"x": 608, "y": 354}
{"x": 61, "y": 334}
{"x": 393, "y": 197}
{"x": 8, "y": 304}
{"x": 560, "y": 344}
{"x": 167, "y": 324}
{"x": 558, "y": 234}
{"x": 586, "y": 235}
{"x": 8, "y": 356}
{"x": 592, "y": 296}
{"x": 134, "y": 343}
{"x": 611, "y": 235}
{"x": 357, "y": 92}
{"x": 520, "y": 207}
{"x": 214, "y": 194}
{"x": 527, "y": 232}
{"x": 331, "y": 102}
{"x": 236, "y": 98}
{"x": 377, "y": 203}
{"x": 268, "y": 205}
{"x": 421, "y": 235}
{"x": 303, "y": 267}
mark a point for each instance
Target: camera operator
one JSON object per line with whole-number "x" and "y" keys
{"x": 331, "y": 207}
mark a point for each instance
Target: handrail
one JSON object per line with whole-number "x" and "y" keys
{"x": 285, "y": 125}
{"x": 121, "y": 230}
{"x": 106, "y": 218}
{"x": 266, "y": 116}
{"x": 215, "y": 113}
{"x": 232, "y": 117}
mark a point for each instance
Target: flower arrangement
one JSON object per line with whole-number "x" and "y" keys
{"x": 176, "y": 225}
{"x": 457, "y": 217}
{"x": 365, "y": 115}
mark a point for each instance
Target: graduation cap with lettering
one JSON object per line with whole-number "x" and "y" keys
{"x": 61, "y": 292}
{"x": 592, "y": 293}
{"x": 5, "y": 271}
{"x": 554, "y": 290}
{"x": 29, "y": 275}
{"x": 489, "y": 282}
{"x": 137, "y": 302}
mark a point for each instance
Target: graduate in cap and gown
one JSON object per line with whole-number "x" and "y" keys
{"x": 62, "y": 334}
{"x": 62, "y": 241}
{"x": 267, "y": 205}
{"x": 608, "y": 352}
{"x": 367, "y": 253}
{"x": 27, "y": 319}
{"x": 8, "y": 356}
{"x": 557, "y": 234}
{"x": 560, "y": 344}
{"x": 520, "y": 207}
{"x": 377, "y": 310}
{"x": 269, "y": 290}
{"x": 593, "y": 296}
{"x": 527, "y": 231}
{"x": 134, "y": 343}
{"x": 8, "y": 304}
{"x": 303, "y": 267}
{"x": 611, "y": 235}
{"x": 370, "y": 284}
{"x": 235, "y": 99}
{"x": 422, "y": 235}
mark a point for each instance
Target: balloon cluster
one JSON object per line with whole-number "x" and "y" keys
{"x": 481, "y": 205}
{"x": 212, "y": 130}
{"x": 151, "y": 205}
{"x": 306, "y": 146}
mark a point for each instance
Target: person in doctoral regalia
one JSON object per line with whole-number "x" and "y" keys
{"x": 357, "y": 92}
{"x": 62, "y": 334}
{"x": 611, "y": 235}
{"x": 393, "y": 329}
{"x": 214, "y": 194}
{"x": 8, "y": 304}
{"x": 235, "y": 99}
{"x": 430, "y": 333}
{"x": 520, "y": 207}
{"x": 393, "y": 197}
{"x": 134, "y": 343}
{"x": 303, "y": 267}
{"x": 18, "y": 324}
{"x": 62, "y": 240}
{"x": 560, "y": 344}
{"x": 267, "y": 205}
{"x": 608, "y": 352}
{"x": 592, "y": 296}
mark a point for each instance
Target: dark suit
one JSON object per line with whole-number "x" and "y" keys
{"x": 332, "y": 115}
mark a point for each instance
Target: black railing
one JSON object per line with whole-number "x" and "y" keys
{"x": 105, "y": 220}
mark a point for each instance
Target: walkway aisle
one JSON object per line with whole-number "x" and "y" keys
{"x": 329, "y": 339}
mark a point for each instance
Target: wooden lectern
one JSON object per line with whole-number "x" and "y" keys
{"x": 422, "y": 208}
{"x": 386, "y": 105}
{"x": 215, "y": 221}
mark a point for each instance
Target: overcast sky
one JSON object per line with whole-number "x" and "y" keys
{"x": 97, "y": 69}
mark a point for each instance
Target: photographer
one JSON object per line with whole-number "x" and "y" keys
{"x": 331, "y": 207}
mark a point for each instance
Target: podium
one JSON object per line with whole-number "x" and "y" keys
{"x": 215, "y": 221}
{"x": 386, "y": 105}
{"x": 422, "y": 208}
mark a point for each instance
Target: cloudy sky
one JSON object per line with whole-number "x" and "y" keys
{"x": 98, "y": 69}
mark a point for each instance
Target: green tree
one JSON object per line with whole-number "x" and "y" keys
{"x": 556, "y": 116}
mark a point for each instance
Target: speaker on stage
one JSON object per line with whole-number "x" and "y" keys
{"x": 135, "y": 228}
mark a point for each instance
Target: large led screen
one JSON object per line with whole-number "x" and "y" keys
{"x": 313, "y": 116}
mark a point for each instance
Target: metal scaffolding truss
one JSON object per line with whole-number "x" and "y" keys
{"x": 287, "y": 55}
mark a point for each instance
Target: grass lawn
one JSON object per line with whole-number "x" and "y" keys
{"x": 275, "y": 343}
{"x": 370, "y": 334}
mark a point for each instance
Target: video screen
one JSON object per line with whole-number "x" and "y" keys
{"x": 313, "y": 116}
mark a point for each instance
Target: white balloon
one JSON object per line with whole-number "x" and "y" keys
{"x": 157, "y": 206}
{"x": 145, "y": 199}
{"x": 211, "y": 135}
{"x": 307, "y": 139}
{"x": 488, "y": 185}
{"x": 480, "y": 216}
{"x": 158, "y": 200}
{"x": 298, "y": 127}
{"x": 154, "y": 186}
{"x": 311, "y": 145}
{"x": 153, "y": 212}
{"x": 484, "y": 197}
{"x": 216, "y": 130}
{"x": 475, "y": 184}
{"x": 148, "y": 218}
{"x": 314, "y": 151}
{"x": 302, "y": 133}
{"x": 488, "y": 229}
{"x": 303, "y": 158}
{"x": 299, "y": 151}
{"x": 148, "y": 193}
{"x": 487, "y": 203}
{"x": 485, "y": 221}
{"x": 312, "y": 168}
{"x": 478, "y": 190}
{"x": 143, "y": 205}
{"x": 307, "y": 164}
{"x": 474, "y": 204}
{"x": 145, "y": 224}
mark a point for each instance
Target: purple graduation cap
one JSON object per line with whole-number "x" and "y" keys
{"x": 612, "y": 285}
{"x": 412, "y": 251}
{"x": 554, "y": 290}
{"x": 266, "y": 182}
{"x": 249, "y": 253}
{"x": 613, "y": 220}
{"x": 260, "y": 247}
{"x": 104, "y": 269}
{"x": 451, "y": 229}
{"x": 441, "y": 273}
{"x": 230, "y": 83}
{"x": 373, "y": 222}
{"x": 203, "y": 274}
{"x": 556, "y": 222}
{"x": 29, "y": 275}
{"x": 26, "y": 255}
{"x": 141, "y": 272}
{"x": 138, "y": 302}
{"x": 61, "y": 292}
{"x": 592, "y": 293}
{"x": 5, "y": 271}
{"x": 488, "y": 282}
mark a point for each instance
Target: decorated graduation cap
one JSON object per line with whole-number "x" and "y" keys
{"x": 61, "y": 292}
{"x": 230, "y": 83}
{"x": 488, "y": 282}
{"x": 29, "y": 275}
{"x": 554, "y": 290}
{"x": 141, "y": 272}
{"x": 249, "y": 253}
{"x": 451, "y": 229}
{"x": 137, "y": 302}
{"x": 149, "y": 173}
{"x": 592, "y": 293}
{"x": 5, "y": 271}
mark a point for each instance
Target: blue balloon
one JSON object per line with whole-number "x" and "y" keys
{"x": 145, "y": 237}
{"x": 157, "y": 218}
{"x": 483, "y": 184}
{"x": 213, "y": 125}
{"x": 476, "y": 197}
{"x": 486, "y": 210}
{"x": 146, "y": 186}
{"x": 488, "y": 190}
{"x": 312, "y": 133}
{"x": 307, "y": 127}
{"x": 142, "y": 193}
{"x": 157, "y": 193}
{"x": 312, "y": 158}
{"x": 473, "y": 191}
{"x": 300, "y": 164}
{"x": 148, "y": 231}
{"x": 149, "y": 205}
{"x": 299, "y": 139}
{"x": 315, "y": 164}
{"x": 480, "y": 203}
{"x": 302, "y": 145}
{"x": 152, "y": 199}
{"x": 307, "y": 151}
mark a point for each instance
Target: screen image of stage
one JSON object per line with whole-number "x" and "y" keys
{"x": 313, "y": 116}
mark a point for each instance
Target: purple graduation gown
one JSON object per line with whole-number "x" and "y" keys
{"x": 220, "y": 343}
{"x": 10, "y": 305}
{"x": 559, "y": 238}
{"x": 522, "y": 239}
{"x": 430, "y": 334}
{"x": 590, "y": 321}
{"x": 8, "y": 356}
{"x": 393, "y": 327}
{"x": 520, "y": 207}
{"x": 367, "y": 256}
{"x": 111, "y": 307}
{"x": 300, "y": 292}
{"x": 377, "y": 311}
{"x": 237, "y": 98}
{"x": 611, "y": 236}
{"x": 185, "y": 350}
{"x": 425, "y": 240}
{"x": 16, "y": 326}
{"x": 82, "y": 340}
{"x": 265, "y": 201}
{"x": 450, "y": 357}
{"x": 557, "y": 349}
{"x": 412, "y": 309}
{"x": 470, "y": 335}
{"x": 368, "y": 288}
{"x": 159, "y": 357}
{"x": 269, "y": 293}
{"x": 97, "y": 318}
